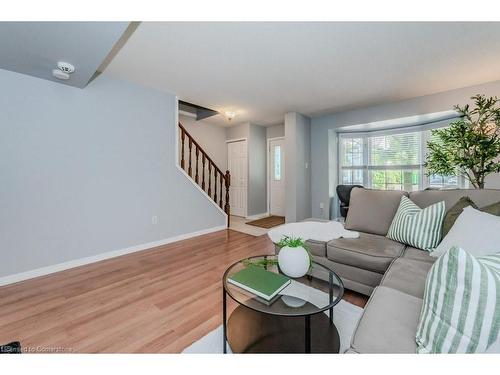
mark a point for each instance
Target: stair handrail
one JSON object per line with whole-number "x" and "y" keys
{"x": 224, "y": 177}
{"x": 200, "y": 148}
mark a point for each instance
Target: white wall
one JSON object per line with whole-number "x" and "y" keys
{"x": 275, "y": 131}
{"x": 323, "y": 147}
{"x": 297, "y": 167}
{"x": 84, "y": 170}
{"x": 211, "y": 137}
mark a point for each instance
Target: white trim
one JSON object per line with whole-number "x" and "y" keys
{"x": 176, "y": 132}
{"x": 268, "y": 185}
{"x": 391, "y": 131}
{"x": 275, "y": 138}
{"x": 401, "y": 123}
{"x": 99, "y": 257}
{"x": 258, "y": 216}
{"x": 237, "y": 140}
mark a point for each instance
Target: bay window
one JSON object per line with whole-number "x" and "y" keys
{"x": 388, "y": 160}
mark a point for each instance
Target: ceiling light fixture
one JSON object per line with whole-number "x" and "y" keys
{"x": 230, "y": 115}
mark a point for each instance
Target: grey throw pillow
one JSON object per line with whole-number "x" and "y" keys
{"x": 454, "y": 212}
{"x": 493, "y": 209}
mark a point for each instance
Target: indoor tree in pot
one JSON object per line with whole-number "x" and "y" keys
{"x": 470, "y": 146}
{"x": 293, "y": 258}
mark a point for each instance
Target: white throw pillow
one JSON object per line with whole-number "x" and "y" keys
{"x": 476, "y": 232}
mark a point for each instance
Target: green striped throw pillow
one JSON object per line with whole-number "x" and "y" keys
{"x": 461, "y": 306}
{"x": 417, "y": 227}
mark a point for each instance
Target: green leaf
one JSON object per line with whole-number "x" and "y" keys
{"x": 470, "y": 146}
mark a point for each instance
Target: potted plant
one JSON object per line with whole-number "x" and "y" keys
{"x": 294, "y": 259}
{"x": 470, "y": 146}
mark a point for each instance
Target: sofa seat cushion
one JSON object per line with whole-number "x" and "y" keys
{"x": 388, "y": 323}
{"x": 317, "y": 248}
{"x": 418, "y": 254}
{"x": 408, "y": 276}
{"x": 354, "y": 278}
{"x": 369, "y": 251}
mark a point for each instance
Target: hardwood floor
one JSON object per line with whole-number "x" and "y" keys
{"x": 157, "y": 300}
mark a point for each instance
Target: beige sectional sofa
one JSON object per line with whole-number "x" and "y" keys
{"x": 391, "y": 273}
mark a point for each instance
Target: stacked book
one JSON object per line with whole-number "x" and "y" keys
{"x": 264, "y": 284}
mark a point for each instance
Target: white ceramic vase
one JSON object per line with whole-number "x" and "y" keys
{"x": 294, "y": 261}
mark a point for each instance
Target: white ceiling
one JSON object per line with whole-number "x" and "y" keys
{"x": 34, "y": 48}
{"x": 263, "y": 70}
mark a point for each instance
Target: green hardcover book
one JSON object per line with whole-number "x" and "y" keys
{"x": 260, "y": 282}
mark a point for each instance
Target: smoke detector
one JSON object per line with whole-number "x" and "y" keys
{"x": 65, "y": 67}
{"x": 60, "y": 74}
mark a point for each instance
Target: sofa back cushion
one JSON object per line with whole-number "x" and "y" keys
{"x": 372, "y": 211}
{"x": 481, "y": 198}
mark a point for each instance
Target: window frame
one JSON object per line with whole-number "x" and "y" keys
{"x": 277, "y": 148}
{"x": 424, "y": 138}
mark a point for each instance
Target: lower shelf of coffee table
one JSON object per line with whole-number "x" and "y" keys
{"x": 249, "y": 331}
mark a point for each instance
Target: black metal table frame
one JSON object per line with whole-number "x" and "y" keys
{"x": 307, "y": 317}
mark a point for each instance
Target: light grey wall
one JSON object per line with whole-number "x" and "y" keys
{"x": 83, "y": 171}
{"x": 256, "y": 149}
{"x": 257, "y": 171}
{"x": 211, "y": 137}
{"x": 238, "y": 131}
{"x": 323, "y": 141}
{"x": 275, "y": 131}
{"x": 297, "y": 166}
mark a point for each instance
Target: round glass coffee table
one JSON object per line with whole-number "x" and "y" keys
{"x": 295, "y": 322}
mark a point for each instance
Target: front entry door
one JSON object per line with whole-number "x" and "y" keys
{"x": 277, "y": 177}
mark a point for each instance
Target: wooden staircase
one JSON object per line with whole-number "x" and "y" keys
{"x": 204, "y": 172}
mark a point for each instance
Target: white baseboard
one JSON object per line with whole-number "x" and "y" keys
{"x": 103, "y": 256}
{"x": 258, "y": 216}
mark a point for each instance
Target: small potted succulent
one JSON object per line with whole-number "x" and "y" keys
{"x": 293, "y": 259}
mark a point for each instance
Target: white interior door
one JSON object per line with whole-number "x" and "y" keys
{"x": 277, "y": 177}
{"x": 237, "y": 164}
